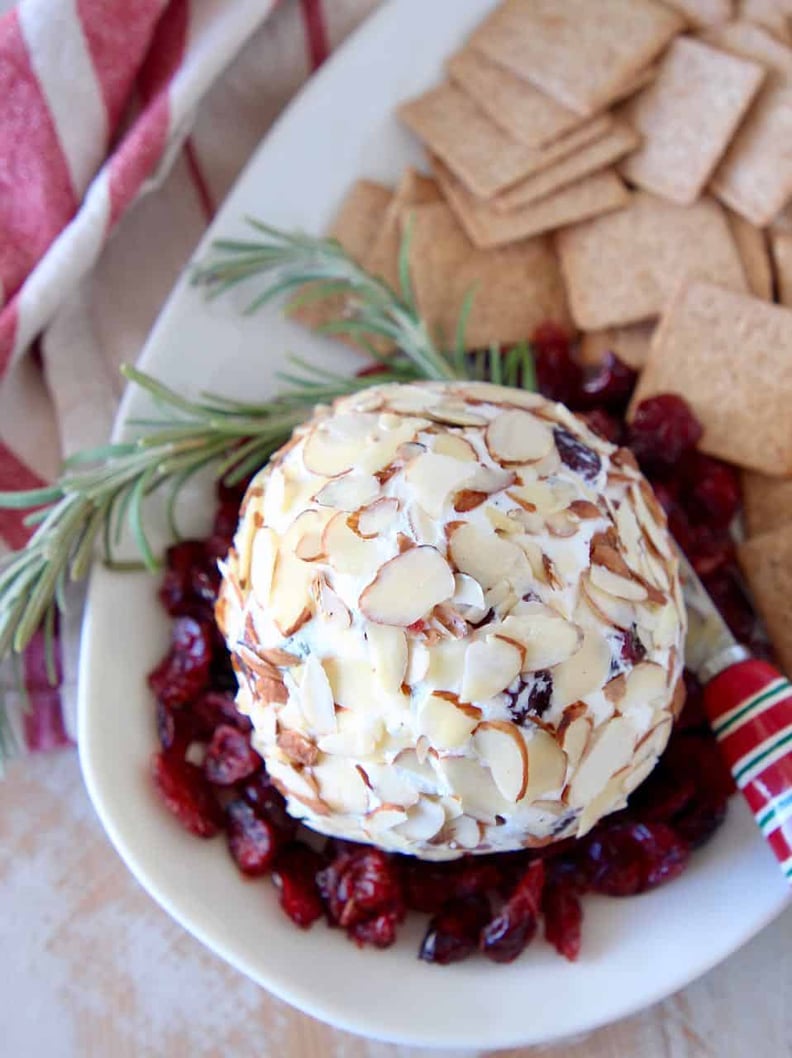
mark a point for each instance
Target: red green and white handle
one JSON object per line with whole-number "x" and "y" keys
{"x": 749, "y": 705}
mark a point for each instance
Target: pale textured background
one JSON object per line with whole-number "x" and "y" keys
{"x": 92, "y": 968}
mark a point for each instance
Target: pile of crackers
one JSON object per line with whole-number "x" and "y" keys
{"x": 624, "y": 168}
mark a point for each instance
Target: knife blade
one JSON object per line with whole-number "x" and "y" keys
{"x": 710, "y": 646}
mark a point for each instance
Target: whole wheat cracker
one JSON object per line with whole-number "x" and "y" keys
{"x": 382, "y": 259}
{"x": 751, "y": 243}
{"x": 767, "y": 502}
{"x": 515, "y": 287}
{"x": 485, "y": 158}
{"x": 687, "y": 116}
{"x": 630, "y": 344}
{"x": 488, "y": 226}
{"x": 730, "y": 356}
{"x": 751, "y": 41}
{"x": 703, "y": 12}
{"x": 772, "y": 15}
{"x": 622, "y": 268}
{"x": 781, "y": 243}
{"x": 580, "y": 53}
{"x": 615, "y": 144}
{"x": 766, "y": 561}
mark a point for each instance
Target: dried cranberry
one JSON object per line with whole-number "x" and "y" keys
{"x": 294, "y": 874}
{"x": 252, "y": 841}
{"x": 360, "y": 885}
{"x": 453, "y": 933}
{"x": 427, "y": 886}
{"x": 558, "y": 375}
{"x": 563, "y": 916}
{"x": 185, "y": 792}
{"x": 508, "y": 934}
{"x": 577, "y": 456}
{"x": 230, "y": 757}
{"x": 693, "y": 715}
{"x": 609, "y": 384}
{"x": 532, "y": 697}
{"x": 183, "y": 672}
{"x": 628, "y": 858}
{"x": 166, "y": 726}
{"x": 710, "y": 490}
{"x": 709, "y": 554}
{"x": 632, "y": 649}
{"x": 191, "y": 580}
{"x": 662, "y": 430}
{"x": 606, "y": 426}
{"x": 259, "y": 792}
{"x": 379, "y": 932}
{"x": 211, "y": 709}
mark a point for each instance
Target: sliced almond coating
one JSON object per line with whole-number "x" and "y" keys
{"x": 503, "y": 396}
{"x": 635, "y": 776}
{"x": 445, "y": 662}
{"x": 547, "y": 765}
{"x": 408, "y": 587}
{"x": 349, "y": 492}
{"x": 341, "y": 786}
{"x": 546, "y": 640}
{"x": 544, "y": 497}
{"x": 375, "y": 519}
{"x": 490, "y": 666}
{"x": 385, "y": 818}
{"x": 424, "y": 528}
{"x": 352, "y": 684}
{"x": 645, "y": 686}
{"x": 611, "y": 749}
{"x": 491, "y": 479}
{"x": 608, "y": 800}
{"x": 666, "y": 629}
{"x": 264, "y": 553}
{"x": 468, "y": 598}
{"x": 297, "y": 747}
{"x": 329, "y": 605}
{"x": 464, "y": 831}
{"x": 418, "y": 659}
{"x": 305, "y": 535}
{"x": 289, "y": 599}
{"x": 475, "y": 787}
{"x": 433, "y": 478}
{"x": 412, "y": 400}
{"x": 516, "y": 436}
{"x": 380, "y": 452}
{"x": 277, "y": 656}
{"x": 356, "y": 737}
{"x": 333, "y": 447}
{"x": 562, "y": 524}
{"x": 576, "y": 739}
{"x": 395, "y": 785}
{"x": 349, "y": 553}
{"x": 387, "y": 646}
{"x": 444, "y": 723}
{"x": 585, "y": 672}
{"x": 501, "y": 522}
{"x": 501, "y": 747}
{"x": 653, "y": 527}
{"x": 484, "y": 557}
{"x": 451, "y": 444}
{"x": 298, "y": 783}
{"x": 424, "y": 820}
{"x": 614, "y": 584}
{"x": 417, "y": 768}
{"x": 610, "y": 609}
{"x": 316, "y": 697}
{"x": 455, "y": 413}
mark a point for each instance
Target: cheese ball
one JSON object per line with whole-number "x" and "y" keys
{"x": 456, "y": 619}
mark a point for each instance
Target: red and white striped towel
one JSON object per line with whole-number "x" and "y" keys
{"x": 122, "y": 123}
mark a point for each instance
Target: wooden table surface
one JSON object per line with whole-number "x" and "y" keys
{"x": 92, "y": 968}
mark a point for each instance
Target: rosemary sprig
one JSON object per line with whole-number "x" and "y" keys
{"x": 102, "y": 490}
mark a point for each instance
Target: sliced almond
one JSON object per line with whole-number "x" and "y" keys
{"x": 408, "y": 587}
{"x": 611, "y": 748}
{"x": 395, "y": 785}
{"x": 299, "y": 784}
{"x": 277, "y": 656}
{"x": 329, "y": 605}
{"x": 411, "y": 399}
{"x": 424, "y": 820}
{"x": 651, "y": 518}
{"x": 491, "y": 665}
{"x": 384, "y": 818}
{"x": 608, "y": 800}
{"x": 418, "y": 659}
{"x": 491, "y": 479}
{"x": 371, "y": 521}
{"x": 608, "y": 608}
{"x": 635, "y": 776}
{"x": 562, "y": 524}
{"x": 380, "y": 451}
{"x": 387, "y": 646}
{"x": 316, "y": 697}
{"x": 516, "y": 436}
{"x": 444, "y": 723}
{"x": 356, "y": 737}
{"x": 576, "y": 740}
{"x": 645, "y": 686}
{"x": 475, "y": 787}
{"x": 417, "y": 768}
{"x": 348, "y": 492}
{"x": 425, "y": 529}
{"x": 349, "y": 553}
{"x": 264, "y": 553}
{"x": 547, "y": 764}
{"x": 468, "y": 598}
{"x": 501, "y": 747}
{"x": 546, "y": 640}
{"x": 451, "y": 444}
{"x": 297, "y": 747}
{"x": 585, "y": 510}
{"x": 289, "y": 598}
{"x": 455, "y": 413}
{"x": 341, "y": 786}
{"x": 468, "y": 500}
{"x": 433, "y": 478}
{"x": 583, "y": 673}
{"x": 486, "y": 558}
{"x": 305, "y": 535}
{"x": 333, "y": 446}
{"x": 445, "y": 662}
{"x": 464, "y": 832}
{"x": 619, "y": 586}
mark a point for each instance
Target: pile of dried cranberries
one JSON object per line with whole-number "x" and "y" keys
{"x": 493, "y": 904}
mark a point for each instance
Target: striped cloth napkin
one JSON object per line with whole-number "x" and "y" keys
{"x": 122, "y": 124}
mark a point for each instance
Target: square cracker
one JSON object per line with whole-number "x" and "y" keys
{"x": 484, "y": 157}
{"x": 516, "y": 287}
{"x": 772, "y": 15}
{"x": 630, "y": 344}
{"x": 355, "y": 226}
{"x": 526, "y": 114}
{"x": 622, "y": 268}
{"x": 582, "y": 53}
{"x": 615, "y": 144}
{"x": 767, "y": 502}
{"x": 751, "y": 243}
{"x": 766, "y": 561}
{"x": 703, "y": 12}
{"x": 781, "y": 242}
{"x": 752, "y": 42}
{"x": 730, "y": 356}
{"x": 487, "y": 226}
{"x": 687, "y": 117}
{"x": 414, "y": 189}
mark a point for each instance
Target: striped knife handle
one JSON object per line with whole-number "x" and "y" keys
{"x": 750, "y": 708}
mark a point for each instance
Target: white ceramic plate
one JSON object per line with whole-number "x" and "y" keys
{"x": 635, "y": 951}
